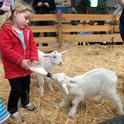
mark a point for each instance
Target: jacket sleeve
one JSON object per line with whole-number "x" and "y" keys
{"x": 7, "y": 49}
{"x": 33, "y": 47}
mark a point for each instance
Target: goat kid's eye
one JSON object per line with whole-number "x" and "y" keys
{"x": 54, "y": 56}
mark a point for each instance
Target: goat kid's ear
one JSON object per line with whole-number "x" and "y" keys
{"x": 64, "y": 52}
{"x": 46, "y": 55}
{"x": 65, "y": 89}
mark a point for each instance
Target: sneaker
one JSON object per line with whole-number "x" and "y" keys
{"x": 16, "y": 115}
{"x": 29, "y": 107}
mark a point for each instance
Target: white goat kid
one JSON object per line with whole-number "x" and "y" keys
{"x": 95, "y": 82}
{"x": 48, "y": 62}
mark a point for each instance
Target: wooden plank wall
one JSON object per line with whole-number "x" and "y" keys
{"x": 107, "y": 32}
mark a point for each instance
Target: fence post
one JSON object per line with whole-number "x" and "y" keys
{"x": 59, "y": 28}
{"x": 114, "y": 23}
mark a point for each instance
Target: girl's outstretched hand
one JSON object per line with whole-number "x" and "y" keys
{"x": 35, "y": 62}
{"x": 25, "y": 64}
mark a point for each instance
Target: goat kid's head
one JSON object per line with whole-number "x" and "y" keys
{"x": 61, "y": 81}
{"x": 56, "y": 57}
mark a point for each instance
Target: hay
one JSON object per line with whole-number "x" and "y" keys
{"x": 77, "y": 61}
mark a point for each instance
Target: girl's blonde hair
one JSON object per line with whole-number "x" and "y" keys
{"x": 20, "y": 6}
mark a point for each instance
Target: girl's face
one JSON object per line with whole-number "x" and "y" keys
{"x": 21, "y": 20}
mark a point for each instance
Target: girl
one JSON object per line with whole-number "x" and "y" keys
{"x": 18, "y": 49}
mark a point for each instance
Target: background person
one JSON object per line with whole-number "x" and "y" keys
{"x": 119, "y": 9}
{"x": 121, "y": 25}
{"x": 43, "y": 7}
{"x": 74, "y": 22}
{"x": 5, "y": 6}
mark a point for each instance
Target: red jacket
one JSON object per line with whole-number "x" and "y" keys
{"x": 12, "y": 51}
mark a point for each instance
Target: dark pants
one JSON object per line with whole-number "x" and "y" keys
{"x": 20, "y": 88}
{"x": 41, "y": 23}
{"x": 74, "y": 23}
{"x": 121, "y": 28}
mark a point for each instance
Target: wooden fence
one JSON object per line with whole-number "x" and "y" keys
{"x": 107, "y": 32}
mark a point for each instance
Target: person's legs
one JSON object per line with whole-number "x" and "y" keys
{"x": 41, "y": 23}
{"x": 36, "y": 23}
{"x": 25, "y": 94}
{"x": 20, "y": 88}
{"x": 121, "y": 28}
{"x": 45, "y": 23}
{"x": 53, "y": 34}
{"x": 15, "y": 93}
{"x": 25, "y": 90}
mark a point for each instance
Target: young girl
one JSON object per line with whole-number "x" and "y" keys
{"x": 4, "y": 114}
{"x": 18, "y": 49}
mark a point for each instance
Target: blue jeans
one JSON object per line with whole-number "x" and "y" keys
{"x": 121, "y": 28}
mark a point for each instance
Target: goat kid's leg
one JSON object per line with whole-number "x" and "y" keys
{"x": 32, "y": 75}
{"x": 65, "y": 103}
{"x": 112, "y": 96}
{"x": 49, "y": 84}
{"x": 75, "y": 103}
{"x": 41, "y": 84}
{"x": 100, "y": 100}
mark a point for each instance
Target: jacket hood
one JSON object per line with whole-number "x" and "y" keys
{"x": 8, "y": 27}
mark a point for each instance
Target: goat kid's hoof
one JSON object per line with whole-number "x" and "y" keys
{"x": 121, "y": 113}
{"x": 70, "y": 115}
{"x": 61, "y": 106}
{"x": 41, "y": 94}
{"x": 52, "y": 89}
{"x": 98, "y": 102}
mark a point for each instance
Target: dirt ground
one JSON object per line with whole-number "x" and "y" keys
{"x": 77, "y": 61}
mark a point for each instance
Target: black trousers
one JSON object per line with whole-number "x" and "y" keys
{"x": 20, "y": 88}
{"x": 41, "y": 23}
